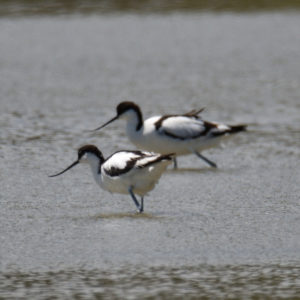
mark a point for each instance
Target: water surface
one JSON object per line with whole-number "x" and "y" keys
{"x": 232, "y": 232}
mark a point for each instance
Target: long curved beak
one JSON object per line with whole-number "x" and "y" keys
{"x": 68, "y": 168}
{"x": 113, "y": 119}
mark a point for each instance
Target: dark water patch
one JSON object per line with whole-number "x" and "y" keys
{"x": 126, "y": 215}
{"x": 48, "y": 7}
{"x": 118, "y": 216}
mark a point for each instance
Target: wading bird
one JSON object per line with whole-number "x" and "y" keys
{"x": 124, "y": 172}
{"x": 180, "y": 134}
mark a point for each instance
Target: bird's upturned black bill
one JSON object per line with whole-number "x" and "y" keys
{"x": 113, "y": 119}
{"x": 68, "y": 168}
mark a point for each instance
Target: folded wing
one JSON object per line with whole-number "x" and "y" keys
{"x": 183, "y": 127}
{"x": 122, "y": 162}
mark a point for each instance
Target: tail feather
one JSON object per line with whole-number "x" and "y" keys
{"x": 159, "y": 159}
{"x": 237, "y": 128}
{"x": 168, "y": 156}
{"x": 220, "y": 130}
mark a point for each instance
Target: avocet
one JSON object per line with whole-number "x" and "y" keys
{"x": 180, "y": 134}
{"x": 124, "y": 172}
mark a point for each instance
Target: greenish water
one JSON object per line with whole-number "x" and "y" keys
{"x": 33, "y": 7}
{"x": 195, "y": 282}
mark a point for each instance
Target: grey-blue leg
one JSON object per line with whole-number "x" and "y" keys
{"x": 211, "y": 163}
{"x": 142, "y": 205}
{"x": 174, "y": 162}
{"x": 134, "y": 198}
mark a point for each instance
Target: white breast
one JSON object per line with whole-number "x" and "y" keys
{"x": 142, "y": 176}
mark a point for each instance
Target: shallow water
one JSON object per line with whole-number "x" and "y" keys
{"x": 232, "y": 232}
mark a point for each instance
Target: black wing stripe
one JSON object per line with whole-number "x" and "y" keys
{"x": 113, "y": 171}
{"x": 132, "y": 162}
{"x": 158, "y": 159}
{"x": 191, "y": 114}
{"x": 159, "y": 122}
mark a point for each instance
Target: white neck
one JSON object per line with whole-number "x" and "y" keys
{"x": 132, "y": 119}
{"x": 132, "y": 122}
{"x": 94, "y": 163}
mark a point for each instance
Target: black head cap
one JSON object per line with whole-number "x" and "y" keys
{"x": 128, "y": 105}
{"x": 90, "y": 149}
{"x": 125, "y": 106}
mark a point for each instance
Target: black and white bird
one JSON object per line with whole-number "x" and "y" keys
{"x": 124, "y": 172}
{"x": 180, "y": 134}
